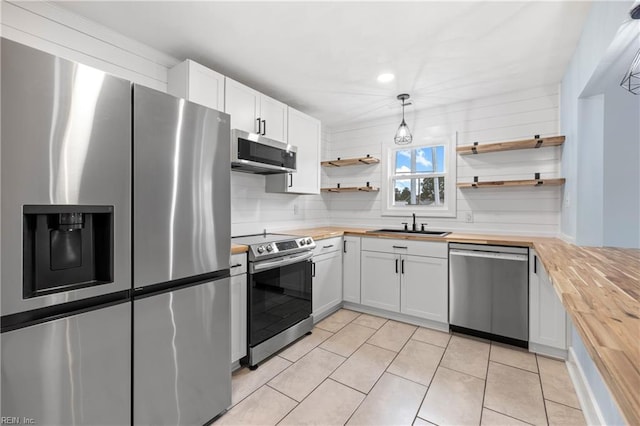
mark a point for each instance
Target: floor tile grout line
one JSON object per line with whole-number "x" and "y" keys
{"x": 544, "y": 403}
{"x": 486, "y": 380}
{"x": 433, "y": 377}
{"x": 507, "y": 415}
{"x": 253, "y": 391}
{"x": 513, "y": 366}
{"x": 563, "y": 404}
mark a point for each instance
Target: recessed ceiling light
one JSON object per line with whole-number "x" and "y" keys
{"x": 385, "y": 78}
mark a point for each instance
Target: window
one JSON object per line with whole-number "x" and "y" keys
{"x": 421, "y": 179}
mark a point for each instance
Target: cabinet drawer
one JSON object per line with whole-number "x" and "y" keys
{"x": 418, "y": 248}
{"x": 238, "y": 264}
{"x": 327, "y": 245}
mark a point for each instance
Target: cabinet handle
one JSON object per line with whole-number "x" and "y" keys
{"x": 291, "y": 180}
{"x": 402, "y": 265}
{"x": 313, "y": 269}
{"x": 264, "y": 127}
{"x": 400, "y": 247}
{"x": 396, "y": 266}
{"x": 344, "y": 246}
{"x": 259, "y": 125}
{"x": 327, "y": 246}
{"x": 535, "y": 264}
{"x": 236, "y": 265}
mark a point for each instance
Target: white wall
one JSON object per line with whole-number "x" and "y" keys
{"x": 512, "y": 116}
{"x": 599, "y": 32}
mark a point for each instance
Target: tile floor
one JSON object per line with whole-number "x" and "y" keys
{"x": 359, "y": 369}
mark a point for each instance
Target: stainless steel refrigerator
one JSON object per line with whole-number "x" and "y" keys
{"x": 66, "y": 241}
{"x": 181, "y": 234}
{"x": 115, "y": 249}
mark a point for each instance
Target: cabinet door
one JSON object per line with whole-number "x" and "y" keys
{"x": 304, "y": 133}
{"x": 274, "y": 116}
{"x": 198, "y": 84}
{"x": 424, "y": 287}
{"x": 242, "y": 103}
{"x": 351, "y": 269}
{"x": 327, "y": 282}
{"x": 238, "y": 317}
{"x": 380, "y": 280}
{"x": 547, "y": 317}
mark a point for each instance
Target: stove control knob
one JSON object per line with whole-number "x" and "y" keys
{"x": 302, "y": 242}
{"x": 260, "y": 249}
{"x": 309, "y": 241}
{"x": 269, "y": 248}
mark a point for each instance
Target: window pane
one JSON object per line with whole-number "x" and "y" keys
{"x": 439, "y": 161}
{"x": 431, "y": 191}
{"x": 424, "y": 160}
{"x": 403, "y": 161}
{"x": 402, "y": 195}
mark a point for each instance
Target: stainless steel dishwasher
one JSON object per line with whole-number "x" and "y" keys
{"x": 489, "y": 292}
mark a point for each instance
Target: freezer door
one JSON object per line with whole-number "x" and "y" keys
{"x": 182, "y": 361}
{"x": 66, "y": 140}
{"x": 71, "y": 371}
{"x": 181, "y": 171}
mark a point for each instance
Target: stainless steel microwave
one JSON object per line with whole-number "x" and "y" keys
{"x": 252, "y": 153}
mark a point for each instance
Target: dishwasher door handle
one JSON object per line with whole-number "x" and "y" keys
{"x": 489, "y": 255}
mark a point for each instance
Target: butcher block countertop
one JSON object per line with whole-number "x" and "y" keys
{"x": 599, "y": 288}
{"x": 239, "y": 248}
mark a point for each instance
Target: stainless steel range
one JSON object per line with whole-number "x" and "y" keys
{"x": 279, "y": 292}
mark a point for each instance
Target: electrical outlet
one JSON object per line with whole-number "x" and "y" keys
{"x": 468, "y": 217}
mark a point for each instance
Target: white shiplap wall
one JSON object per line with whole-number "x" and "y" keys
{"x": 510, "y": 116}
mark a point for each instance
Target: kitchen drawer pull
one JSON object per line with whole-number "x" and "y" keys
{"x": 401, "y": 247}
{"x": 344, "y": 246}
{"x": 264, "y": 127}
{"x": 291, "y": 177}
{"x": 236, "y": 265}
{"x": 329, "y": 246}
{"x": 396, "y": 266}
{"x": 402, "y": 265}
{"x": 259, "y": 125}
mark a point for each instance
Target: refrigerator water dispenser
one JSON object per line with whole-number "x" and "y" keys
{"x": 66, "y": 247}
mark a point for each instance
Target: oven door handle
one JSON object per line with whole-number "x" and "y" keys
{"x": 262, "y": 266}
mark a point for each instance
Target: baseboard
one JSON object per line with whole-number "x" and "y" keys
{"x": 317, "y": 317}
{"x": 397, "y": 316}
{"x": 548, "y": 351}
{"x": 590, "y": 408}
{"x": 235, "y": 365}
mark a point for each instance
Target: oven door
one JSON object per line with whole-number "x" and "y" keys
{"x": 279, "y": 295}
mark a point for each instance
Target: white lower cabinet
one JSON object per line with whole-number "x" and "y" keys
{"x": 327, "y": 276}
{"x": 547, "y": 316}
{"x": 351, "y": 269}
{"x": 238, "y": 306}
{"x": 398, "y": 281}
{"x": 423, "y": 287}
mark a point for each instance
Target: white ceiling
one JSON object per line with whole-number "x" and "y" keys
{"x": 323, "y": 57}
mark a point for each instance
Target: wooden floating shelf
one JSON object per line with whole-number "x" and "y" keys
{"x": 510, "y": 146}
{"x": 503, "y": 183}
{"x": 350, "y": 162}
{"x": 352, "y": 189}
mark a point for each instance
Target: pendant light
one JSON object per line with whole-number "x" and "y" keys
{"x": 403, "y": 135}
{"x": 631, "y": 79}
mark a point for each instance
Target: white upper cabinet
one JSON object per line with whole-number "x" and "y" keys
{"x": 304, "y": 134}
{"x": 254, "y": 112}
{"x": 197, "y": 83}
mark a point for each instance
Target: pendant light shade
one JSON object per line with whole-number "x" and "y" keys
{"x": 403, "y": 135}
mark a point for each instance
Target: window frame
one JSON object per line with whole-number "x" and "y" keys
{"x": 448, "y": 209}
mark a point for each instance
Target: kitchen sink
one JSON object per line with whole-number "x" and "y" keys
{"x": 408, "y": 231}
